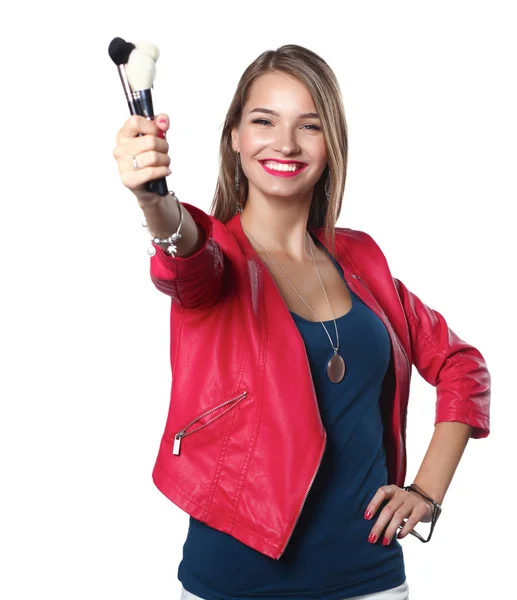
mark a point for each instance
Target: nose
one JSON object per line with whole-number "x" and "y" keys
{"x": 286, "y": 141}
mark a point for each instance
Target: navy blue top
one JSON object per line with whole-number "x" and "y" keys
{"x": 329, "y": 556}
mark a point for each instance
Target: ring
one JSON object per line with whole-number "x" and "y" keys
{"x": 135, "y": 163}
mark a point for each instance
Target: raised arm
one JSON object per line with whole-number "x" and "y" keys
{"x": 194, "y": 277}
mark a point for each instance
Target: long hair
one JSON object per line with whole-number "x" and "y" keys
{"x": 311, "y": 70}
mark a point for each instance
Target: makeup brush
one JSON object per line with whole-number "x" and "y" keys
{"x": 136, "y": 64}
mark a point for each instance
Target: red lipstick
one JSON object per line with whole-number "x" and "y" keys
{"x": 301, "y": 167}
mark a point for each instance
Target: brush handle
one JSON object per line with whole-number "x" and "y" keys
{"x": 144, "y": 102}
{"x": 157, "y": 186}
{"x": 141, "y": 103}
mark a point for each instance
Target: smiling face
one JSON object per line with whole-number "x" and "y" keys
{"x": 282, "y": 147}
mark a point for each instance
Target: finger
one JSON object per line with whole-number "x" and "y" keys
{"x": 415, "y": 517}
{"x": 139, "y": 145}
{"x": 136, "y": 178}
{"x": 145, "y": 159}
{"x": 378, "y": 531}
{"x": 405, "y": 510}
{"x": 383, "y": 493}
{"x": 162, "y": 121}
{"x": 136, "y": 125}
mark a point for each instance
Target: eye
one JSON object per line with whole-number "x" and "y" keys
{"x": 260, "y": 121}
{"x": 316, "y": 128}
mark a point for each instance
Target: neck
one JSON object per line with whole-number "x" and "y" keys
{"x": 279, "y": 225}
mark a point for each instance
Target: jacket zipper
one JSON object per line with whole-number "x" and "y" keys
{"x": 183, "y": 432}
{"x": 312, "y": 480}
{"x": 305, "y": 497}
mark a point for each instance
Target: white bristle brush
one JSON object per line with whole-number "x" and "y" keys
{"x": 141, "y": 70}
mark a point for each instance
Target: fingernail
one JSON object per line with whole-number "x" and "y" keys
{"x": 169, "y": 172}
{"x": 385, "y": 541}
{"x": 161, "y": 134}
{"x": 372, "y": 537}
{"x": 162, "y": 121}
{"x": 367, "y": 514}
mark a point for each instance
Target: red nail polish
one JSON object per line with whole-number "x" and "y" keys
{"x": 162, "y": 121}
{"x": 161, "y": 134}
{"x": 372, "y": 538}
{"x": 385, "y": 541}
{"x": 367, "y": 514}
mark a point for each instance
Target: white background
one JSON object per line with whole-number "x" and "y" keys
{"x": 430, "y": 96}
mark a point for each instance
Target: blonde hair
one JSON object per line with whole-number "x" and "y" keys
{"x": 311, "y": 70}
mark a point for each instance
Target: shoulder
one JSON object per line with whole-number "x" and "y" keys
{"x": 353, "y": 236}
{"x": 360, "y": 248}
{"x": 352, "y": 240}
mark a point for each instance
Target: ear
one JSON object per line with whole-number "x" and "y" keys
{"x": 235, "y": 140}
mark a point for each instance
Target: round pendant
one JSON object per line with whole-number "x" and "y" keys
{"x": 336, "y": 368}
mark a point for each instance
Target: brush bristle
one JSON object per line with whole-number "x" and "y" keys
{"x": 120, "y": 50}
{"x": 148, "y": 48}
{"x": 140, "y": 70}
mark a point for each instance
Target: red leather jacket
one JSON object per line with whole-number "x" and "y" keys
{"x": 244, "y": 439}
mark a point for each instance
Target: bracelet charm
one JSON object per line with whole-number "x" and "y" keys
{"x": 171, "y": 248}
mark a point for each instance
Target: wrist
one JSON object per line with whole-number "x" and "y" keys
{"x": 417, "y": 490}
{"x": 429, "y": 490}
{"x": 149, "y": 201}
{"x": 165, "y": 240}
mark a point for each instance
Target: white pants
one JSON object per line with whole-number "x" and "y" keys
{"x": 401, "y": 592}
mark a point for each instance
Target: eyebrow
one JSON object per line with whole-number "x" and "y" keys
{"x": 309, "y": 115}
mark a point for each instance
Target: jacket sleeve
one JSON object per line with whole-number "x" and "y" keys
{"x": 455, "y": 368}
{"x": 195, "y": 281}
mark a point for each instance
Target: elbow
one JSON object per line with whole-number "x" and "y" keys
{"x": 193, "y": 282}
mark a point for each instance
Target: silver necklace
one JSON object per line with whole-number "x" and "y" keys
{"x": 336, "y": 364}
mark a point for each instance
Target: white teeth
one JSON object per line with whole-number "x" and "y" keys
{"x": 281, "y": 167}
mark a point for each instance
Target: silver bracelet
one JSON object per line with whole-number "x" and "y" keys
{"x": 172, "y": 248}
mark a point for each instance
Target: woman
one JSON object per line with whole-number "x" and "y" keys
{"x": 291, "y": 354}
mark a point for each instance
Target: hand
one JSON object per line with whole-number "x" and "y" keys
{"x": 401, "y": 505}
{"x": 150, "y": 150}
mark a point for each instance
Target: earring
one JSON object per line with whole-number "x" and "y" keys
{"x": 239, "y": 205}
{"x": 237, "y": 172}
{"x": 327, "y": 186}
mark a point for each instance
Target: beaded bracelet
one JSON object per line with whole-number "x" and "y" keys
{"x": 437, "y": 509}
{"x": 172, "y": 248}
